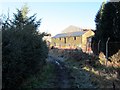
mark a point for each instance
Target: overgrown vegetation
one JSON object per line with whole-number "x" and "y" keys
{"x": 95, "y": 74}
{"x": 89, "y": 71}
{"x": 45, "y": 79}
{"x": 107, "y": 26}
{"x": 23, "y": 50}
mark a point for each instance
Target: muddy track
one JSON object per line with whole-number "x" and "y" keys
{"x": 62, "y": 76}
{"x": 62, "y": 73}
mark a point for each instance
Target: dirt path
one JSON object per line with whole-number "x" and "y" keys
{"x": 61, "y": 71}
{"x": 68, "y": 76}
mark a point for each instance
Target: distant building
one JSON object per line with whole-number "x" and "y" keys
{"x": 72, "y": 37}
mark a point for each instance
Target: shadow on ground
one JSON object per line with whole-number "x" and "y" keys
{"x": 86, "y": 71}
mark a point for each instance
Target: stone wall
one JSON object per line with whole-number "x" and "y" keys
{"x": 72, "y": 42}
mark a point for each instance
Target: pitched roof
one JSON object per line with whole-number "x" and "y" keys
{"x": 71, "y": 31}
{"x": 70, "y": 34}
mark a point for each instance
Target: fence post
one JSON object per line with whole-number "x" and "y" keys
{"x": 99, "y": 46}
{"x": 107, "y": 50}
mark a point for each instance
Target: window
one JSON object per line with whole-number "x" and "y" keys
{"x": 64, "y": 40}
{"x": 60, "y": 38}
{"x": 74, "y": 38}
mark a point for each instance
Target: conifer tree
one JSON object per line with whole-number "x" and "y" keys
{"x": 107, "y": 24}
{"x": 23, "y": 50}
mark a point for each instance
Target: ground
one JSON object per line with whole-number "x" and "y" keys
{"x": 74, "y": 69}
{"x": 69, "y": 76}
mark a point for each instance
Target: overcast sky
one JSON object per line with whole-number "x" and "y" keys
{"x": 56, "y": 16}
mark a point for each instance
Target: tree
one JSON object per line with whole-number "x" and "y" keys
{"x": 107, "y": 24}
{"x": 23, "y": 50}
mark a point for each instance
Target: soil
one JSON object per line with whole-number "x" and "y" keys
{"x": 62, "y": 73}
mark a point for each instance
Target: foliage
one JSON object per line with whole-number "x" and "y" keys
{"x": 107, "y": 24}
{"x": 23, "y": 50}
{"x": 41, "y": 80}
{"x": 99, "y": 76}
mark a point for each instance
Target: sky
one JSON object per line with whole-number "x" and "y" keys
{"x": 56, "y": 16}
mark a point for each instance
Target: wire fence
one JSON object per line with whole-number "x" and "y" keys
{"x": 113, "y": 48}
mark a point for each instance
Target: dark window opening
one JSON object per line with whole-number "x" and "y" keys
{"x": 64, "y": 40}
{"x": 60, "y": 38}
{"x": 74, "y": 38}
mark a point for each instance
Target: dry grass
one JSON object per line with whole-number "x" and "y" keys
{"x": 92, "y": 68}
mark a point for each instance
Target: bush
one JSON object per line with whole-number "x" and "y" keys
{"x": 41, "y": 80}
{"x": 23, "y": 50}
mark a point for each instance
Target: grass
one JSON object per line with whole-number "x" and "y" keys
{"x": 97, "y": 75}
{"x": 44, "y": 79}
{"x": 87, "y": 70}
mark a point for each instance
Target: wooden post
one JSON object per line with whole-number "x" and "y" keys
{"x": 99, "y": 46}
{"x": 107, "y": 50}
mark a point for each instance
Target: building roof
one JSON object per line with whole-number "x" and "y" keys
{"x": 70, "y": 34}
{"x": 71, "y": 31}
